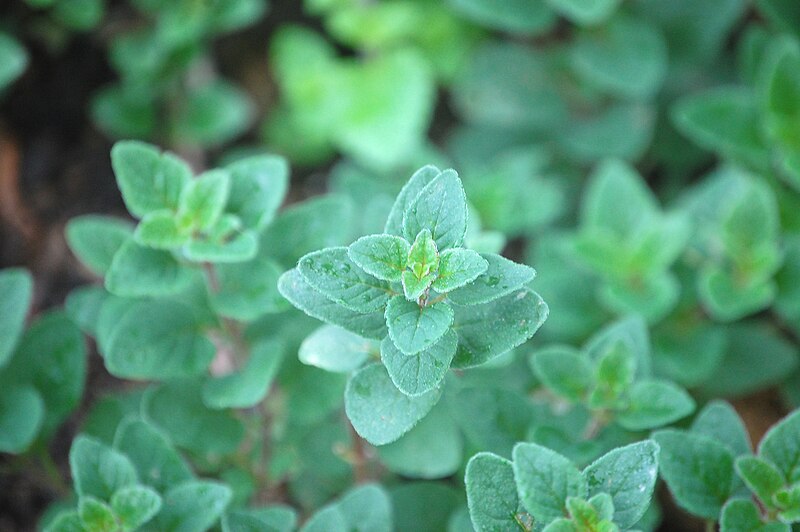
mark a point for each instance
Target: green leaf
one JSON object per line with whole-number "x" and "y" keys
{"x": 122, "y": 113}
{"x": 629, "y": 475}
{"x": 367, "y": 508}
{"x": 258, "y": 187}
{"x": 725, "y": 120}
{"x": 500, "y": 278}
{"x": 788, "y": 500}
{"x": 626, "y": 58}
{"x": 135, "y": 505}
{"x": 422, "y": 372}
{"x": 654, "y": 403}
{"x": 203, "y": 199}
{"x": 13, "y": 60}
{"x": 413, "y": 328}
{"x": 22, "y": 412}
{"x": 458, "y": 267}
{"x": 194, "y": 505}
{"x": 585, "y": 12}
{"x": 756, "y": 358}
{"x": 138, "y": 271}
{"x": 763, "y": 478}
{"x": 487, "y": 331}
{"x": 51, "y": 357}
{"x": 177, "y": 409}
{"x": 544, "y": 481}
{"x": 95, "y": 239}
{"x": 617, "y": 200}
{"x": 614, "y": 375}
{"x": 240, "y": 247}
{"x": 410, "y": 191}
{"x": 161, "y": 230}
{"x": 247, "y": 290}
{"x": 742, "y": 515}
{"x": 247, "y": 387}
{"x": 317, "y": 223}
{"x": 697, "y": 469}
{"x": 491, "y": 493}
{"x": 423, "y": 263}
{"x": 98, "y": 470}
{"x": 270, "y": 519}
{"x": 149, "y": 180}
{"x": 335, "y": 349}
{"x": 564, "y": 370}
{"x": 16, "y": 290}
{"x": 720, "y": 421}
{"x": 362, "y": 509}
{"x": 96, "y": 515}
{"x": 331, "y": 272}
{"x": 157, "y": 462}
{"x": 781, "y": 446}
{"x": 383, "y": 256}
{"x": 514, "y": 16}
{"x": 432, "y": 449}
{"x": 441, "y": 208}
{"x": 213, "y": 114}
{"x": 293, "y": 287}
{"x": 66, "y": 522}
{"x": 157, "y": 340}
{"x": 379, "y": 412}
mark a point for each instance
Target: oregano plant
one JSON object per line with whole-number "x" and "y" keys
{"x": 428, "y": 302}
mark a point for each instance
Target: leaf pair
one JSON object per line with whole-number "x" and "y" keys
{"x": 610, "y": 494}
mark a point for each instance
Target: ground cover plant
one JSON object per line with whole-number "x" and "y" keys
{"x": 404, "y": 265}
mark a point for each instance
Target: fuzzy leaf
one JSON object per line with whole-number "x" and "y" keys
{"x": 157, "y": 462}
{"x": 139, "y": 271}
{"x": 98, "y": 470}
{"x": 458, "y": 267}
{"x": 763, "y": 478}
{"x": 441, "y": 208}
{"x": 21, "y": 415}
{"x": 491, "y": 493}
{"x": 148, "y": 179}
{"x": 160, "y": 230}
{"x": 742, "y": 515}
{"x": 654, "y": 403}
{"x": 500, "y": 278}
{"x": 585, "y": 12}
{"x": 383, "y": 256}
{"x": 379, "y": 412}
{"x": 194, "y": 505}
{"x": 331, "y": 272}
{"x": 410, "y": 191}
{"x": 720, "y": 421}
{"x": 413, "y": 328}
{"x": 781, "y": 446}
{"x": 544, "y": 481}
{"x": 335, "y": 349}
{"x": 258, "y": 187}
{"x": 96, "y": 515}
{"x": 95, "y": 239}
{"x": 422, "y": 372}
{"x": 487, "y": 331}
{"x": 564, "y": 370}
{"x": 135, "y": 505}
{"x": 697, "y": 469}
{"x": 203, "y": 200}
{"x": 629, "y": 475}
{"x": 16, "y": 290}
{"x": 157, "y": 340}
{"x": 294, "y": 287}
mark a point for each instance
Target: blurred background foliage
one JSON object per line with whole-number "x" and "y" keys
{"x": 643, "y": 156}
